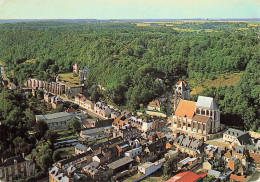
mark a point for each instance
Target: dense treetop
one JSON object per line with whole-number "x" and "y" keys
{"x": 127, "y": 60}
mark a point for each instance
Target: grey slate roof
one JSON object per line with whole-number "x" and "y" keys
{"x": 185, "y": 142}
{"x": 257, "y": 146}
{"x": 81, "y": 147}
{"x": 120, "y": 162}
{"x": 55, "y": 115}
{"x": 73, "y": 158}
{"x": 244, "y": 139}
{"x": 206, "y": 103}
{"x": 239, "y": 149}
{"x": 234, "y": 132}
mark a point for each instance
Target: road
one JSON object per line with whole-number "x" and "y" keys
{"x": 255, "y": 177}
{"x": 169, "y": 95}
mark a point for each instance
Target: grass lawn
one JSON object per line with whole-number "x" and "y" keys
{"x": 221, "y": 80}
{"x": 30, "y": 61}
{"x": 2, "y": 63}
{"x": 102, "y": 140}
{"x": 69, "y": 79}
{"x": 66, "y": 135}
{"x": 66, "y": 152}
{"x": 66, "y": 138}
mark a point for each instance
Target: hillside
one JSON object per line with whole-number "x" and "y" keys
{"x": 198, "y": 86}
{"x": 127, "y": 60}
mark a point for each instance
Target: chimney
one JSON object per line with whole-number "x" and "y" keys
{"x": 235, "y": 145}
{"x": 23, "y": 155}
{"x": 99, "y": 150}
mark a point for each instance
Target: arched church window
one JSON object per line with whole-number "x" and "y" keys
{"x": 207, "y": 112}
{"x": 197, "y": 111}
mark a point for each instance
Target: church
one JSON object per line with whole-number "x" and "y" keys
{"x": 200, "y": 119}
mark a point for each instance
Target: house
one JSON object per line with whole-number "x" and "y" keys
{"x": 56, "y": 120}
{"x": 171, "y": 153}
{"x": 120, "y": 122}
{"x": 127, "y": 133}
{"x": 92, "y": 134}
{"x": 188, "y": 163}
{"x": 200, "y": 119}
{"x": 114, "y": 114}
{"x": 122, "y": 148}
{"x": 190, "y": 145}
{"x": 133, "y": 152}
{"x": 120, "y": 164}
{"x": 78, "y": 98}
{"x": 235, "y": 178}
{"x": 155, "y": 105}
{"x": 214, "y": 173}
{"x": 98, "y": 174}
{"x": 101, "y": 109}
{"x": 15, "y": 168}
{"x": 47, "y": 97}
{"x": 187, "y": 176}
{"x": 109, "y": 144}
{"x": 79, "y": 149}
{"x": 55, "y": 175}
{"x": 238, "y": 137}
{"x": 79, "y": 160}
{"x": 87, "y": 104}
{"x": 150, "y": 167}
{"x": 154, "y": 148}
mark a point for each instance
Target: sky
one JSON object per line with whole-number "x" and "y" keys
{"x": 128, "y": 9}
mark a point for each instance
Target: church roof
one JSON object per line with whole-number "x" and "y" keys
{"x": 206, "y": 103}
{"x": 200, "y": 118}
{"x": 185, "y": 109}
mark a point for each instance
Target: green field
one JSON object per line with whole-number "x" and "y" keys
{"x": 222, "y": 80}
{"x": 69, "y": 79}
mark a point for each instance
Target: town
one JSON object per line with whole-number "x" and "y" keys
{"x": 189, "y": 143}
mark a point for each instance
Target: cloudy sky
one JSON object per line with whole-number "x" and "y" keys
{"x": 128, "y": 9}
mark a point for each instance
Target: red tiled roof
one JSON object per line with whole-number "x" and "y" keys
{"x": 186, "y": 177}
{"x": 237, "y": 178}
{"x": 186, "y": 109}
{"x": 180, "y": 82}
{"x": 155, "y": 103}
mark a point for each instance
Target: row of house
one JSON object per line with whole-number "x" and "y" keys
{"x": 99, "y": 108}
{"x": 104, "y": 160}
{"x": 15, "y": 168}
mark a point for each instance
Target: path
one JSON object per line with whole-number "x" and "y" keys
{"x": 255, "y": 177}
{"x": 169, "y": 95}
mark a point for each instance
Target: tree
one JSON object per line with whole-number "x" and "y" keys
{"x": 208, "y": 178}
{"x": 20, "y": 145}
{"x": 170, "y": 165}
{"x": 29, "y": 117}
{"x": 41, "y": 128}
{"x": 56, "y": 155}
{"x": 74, "y": 124}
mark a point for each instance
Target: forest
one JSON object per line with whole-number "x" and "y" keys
{"x": 127, "y": 60}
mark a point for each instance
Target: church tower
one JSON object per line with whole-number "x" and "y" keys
{"x": 182, "y": 92}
